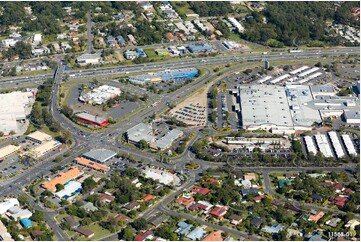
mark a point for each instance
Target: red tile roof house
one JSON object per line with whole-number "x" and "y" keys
{"x": 257, "y": 199}
{"x": 316, "y": 217}
{"x": 218, "y": 212}
{"x": 348, "y": 190}
{"x": 338, "y": 187}
{"x": 146, "y": 235}
{"x": 211, "y": 180}
{"x": 339, "y": 201}
{"x": 148, "y": 197}
{"x": 185, "y": 201}
{"x": 105, "y": 198}
{"x": 120, "y": 217}
{"x": 200, "y": 190}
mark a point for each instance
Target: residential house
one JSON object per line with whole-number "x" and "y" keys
{"x": 170, "y": 36}
{"x": 89, "y": 207}
{"x": 121, "y": 40}
{"x": 339, "y": 201}
{"x": 158, "y": 220}
{"x": 132, "y": 39}
{"x": 244, "y": 192}
{"x": 333, "y": 222}
{"x": 352, "y": 224}
{"x": 16, "y": 213}
{"x": 148, "y": 198}
{"x": 315, "y": 237}
{"x": 84, "y": 231}
{"x": 8, "y": 203}
{"x": 110, "y": 41}
{"x": 235, "y": 219}
{"x": 206, "y": 206}
{"x": 73, "y": 224}
{"x": 316, "y": 216}
{"x": 316, "y": 197}
{"x": 120, "y": 217}
{"x": 214, "y": 236}
{"x": 338, "y": 187}
{"x": 147, "y": 235}
{"x": 35, "y": 234}
{"x": 256, "y": 222}
{"x": 238, "y": 174}
{"x": 283, "y": 182}
{"x": 197, "y": 234}
{"x": 132, "y": 205}
{"x": 183, "y": 228}
{"x": 218, "y": 212}
{"x": 250, "y": 176}
{"x": 293, "y": 232}
{"x": 277, "y": 202}
{"x": 200, "y": 190}
{"x": 211, "y": 180}
{"x": 105, "y": 198}
{"x": 130, "y": 54}
{"x": 293, "y": 209}
{"x": 259, "y": 198}
{"x": 185, "y": 201}
{"x": 274, "y": 229}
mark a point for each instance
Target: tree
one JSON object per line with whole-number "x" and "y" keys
{"x": 67, "y": 111}
{"x": 12, "y": 132}
{"x": 143, "y": 144}
{"x": 111, "y": 120}
{"x": 65, "y": 136}
{"x": 38, "y": 216}
{"x": 89, "y": 184}
{"x": 128, "y": 234}
{"x": 59, "y": 187}
{"x": 1, "y": 134}
{"x": 140, "y": 224}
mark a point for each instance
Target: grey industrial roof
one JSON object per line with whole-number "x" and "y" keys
{"x": 264, "y": 105}
{"x": 302, "y": 114}
{"x": 322, "y": 89}
{"x": 351, "y": 114}
{"x": 167, "y": 139}
{"x": 100, "y": 155}
{"x": 87, "y": 116}
{"x": 139, "y": 132}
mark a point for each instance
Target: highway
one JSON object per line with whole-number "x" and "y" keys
{"x": 181, "y": 63}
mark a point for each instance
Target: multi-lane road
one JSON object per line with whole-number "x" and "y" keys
{"x": 182, "y": 63}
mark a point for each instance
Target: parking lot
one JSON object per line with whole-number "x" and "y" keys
{"x": 15, "y": 164}
{"x": 192, "y": 114}
{"x": 167, "y": 86}
{"x": 123, "y": 108}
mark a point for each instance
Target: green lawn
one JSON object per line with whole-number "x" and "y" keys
{"x": 99, "y": 232}
{"x": 182, "y": 7}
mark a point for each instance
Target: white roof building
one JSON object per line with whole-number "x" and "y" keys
{"x": 89, "y": 59}
{"x": 236, "y": 24}
{"x": 8, "y": 150}
{"x": 18, "y": 213}
{"x": 37, "y": 38}
{"x": 43, "y": 148}
{"x": 69, "y": 190}
{"x": 7, "y": 204}
{"x": 100, "y": 95}
{"x": 14, "y": 106}
{"x": 39, "y": 137}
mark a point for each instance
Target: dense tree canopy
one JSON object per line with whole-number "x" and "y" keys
{"x": 205, "y": 9}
